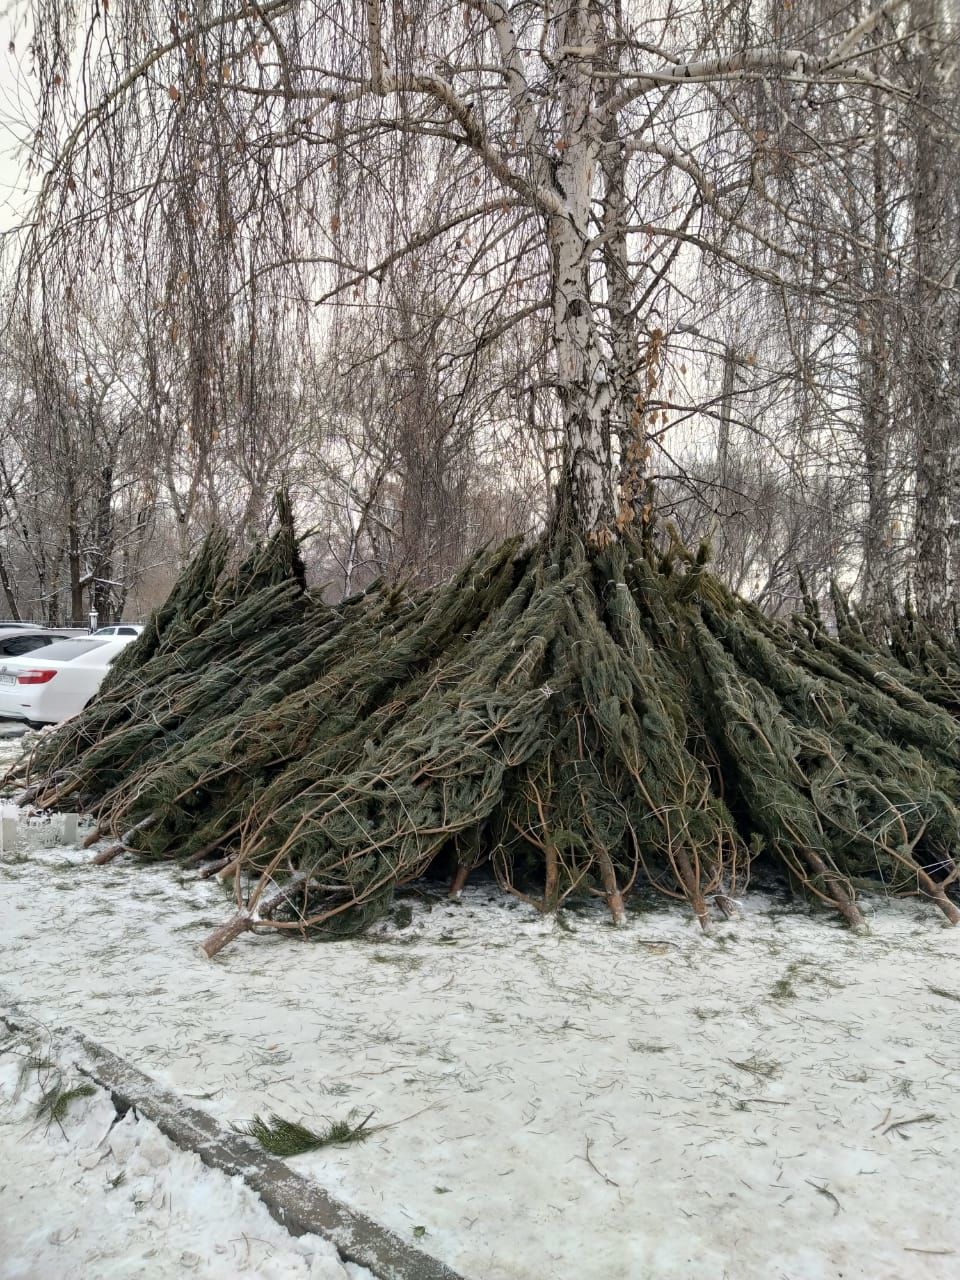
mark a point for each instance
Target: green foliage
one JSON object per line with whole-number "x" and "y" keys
{"x": 288, "y": 1138}
{"x": 55, "y": 1102}
{"x": 587, "y": 721}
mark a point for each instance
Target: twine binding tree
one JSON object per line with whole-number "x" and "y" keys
{"x": 582, "y": 719}
{"x": 578, "y": 713}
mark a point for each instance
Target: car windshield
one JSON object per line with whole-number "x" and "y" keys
{"x": 64, "y": 650}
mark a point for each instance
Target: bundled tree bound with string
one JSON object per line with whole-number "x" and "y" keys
{"x": 583, "y": 719}
{"x": 580, "y": 712}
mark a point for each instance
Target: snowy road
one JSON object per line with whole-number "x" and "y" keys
{"x": 777, "y": 1102}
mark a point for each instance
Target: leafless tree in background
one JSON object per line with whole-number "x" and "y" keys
{"x": 423, "y": 261}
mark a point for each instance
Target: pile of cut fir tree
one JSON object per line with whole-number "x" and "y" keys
{"x": 580, "y": 720}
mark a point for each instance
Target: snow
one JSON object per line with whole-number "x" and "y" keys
{"x": 103, "y": 1198}
{"x": 777, "y": 1100}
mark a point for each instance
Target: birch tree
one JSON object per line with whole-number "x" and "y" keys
{"x": 934, "y": 318}
{"x": 273, "y": 154}
{"x": 578, "y": 703}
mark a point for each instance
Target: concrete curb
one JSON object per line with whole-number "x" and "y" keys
{"x": 299, "y": 1205}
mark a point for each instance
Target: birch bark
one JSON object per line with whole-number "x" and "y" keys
{"x": 582, "y": 369}
{"x": 875, "y": 378}
{"x": 935, "y": 336}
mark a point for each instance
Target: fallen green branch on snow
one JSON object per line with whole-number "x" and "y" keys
{"x": 288, "y": 1138}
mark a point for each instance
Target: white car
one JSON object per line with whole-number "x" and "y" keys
{"x": 16, "y": 638}
{"x": 49, "y": 688}
{"x": 121, "y": 629}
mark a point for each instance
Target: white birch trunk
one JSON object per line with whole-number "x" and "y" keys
{"x": 935, "y": 364}
{"x": 876, "y": 371}
{"x": 627, "y": 411}
{"x": 584, "y": 385}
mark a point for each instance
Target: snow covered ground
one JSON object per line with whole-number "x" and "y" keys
{"x": 95, "y": 1197}
{"x": 775, "y": 1102}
